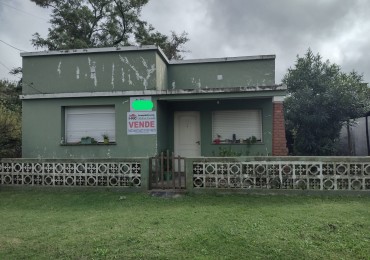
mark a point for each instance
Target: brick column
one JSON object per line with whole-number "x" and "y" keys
{"x": 279, "y": 147}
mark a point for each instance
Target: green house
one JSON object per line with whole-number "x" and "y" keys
{"x": 134, "y": 102}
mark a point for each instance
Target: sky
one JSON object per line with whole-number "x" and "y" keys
{"x": 337, "y": 29}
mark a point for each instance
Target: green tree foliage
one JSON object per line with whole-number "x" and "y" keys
{"x": 77, "y": 24}
{"x": 321, "y": 99}
{"x": 10, "y": 120}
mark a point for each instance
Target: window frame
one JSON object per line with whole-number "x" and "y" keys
{"x": 239, "y": 140}
{"x": 96, "y": 138}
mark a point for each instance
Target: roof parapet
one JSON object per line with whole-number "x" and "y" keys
{"x": 145, "y": 48}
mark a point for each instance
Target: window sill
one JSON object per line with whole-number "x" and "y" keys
{"x": 258, "y": 143}
{"x": 79, "y": 144}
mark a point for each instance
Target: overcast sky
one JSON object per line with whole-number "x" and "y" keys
{"x": 337, "y": 29}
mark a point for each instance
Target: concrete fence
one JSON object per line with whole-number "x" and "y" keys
{"x": 78, "y": 173}
{"x": 211, "y": 173}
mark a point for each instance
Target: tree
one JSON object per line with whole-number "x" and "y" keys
{"x": 77, "y": 24}
{"x": 10, "y": 120}
{"x": 321, "y": 99}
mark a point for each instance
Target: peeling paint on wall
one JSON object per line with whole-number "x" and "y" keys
{"x": 59, "y": 69}
{"x": 77, "y": 72}
{"x": 92, "y": 65}
{"x": 123, "y": 75}
{"x": 112, "y": 81}
{"x": 195, "y": 83}
{"x": 149, "y": 70}
{"x": 129, "y": 80}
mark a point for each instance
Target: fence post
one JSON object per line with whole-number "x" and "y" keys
{"x": 189, "y": 174}
{"x": 145, "y": 178}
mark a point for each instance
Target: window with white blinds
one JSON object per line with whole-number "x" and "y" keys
{"x": 243, "y": 123}
{"x": 94, "y": 121}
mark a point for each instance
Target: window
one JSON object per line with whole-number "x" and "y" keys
{"x": 236, "y": 126}
{"x": 95, "y": 122}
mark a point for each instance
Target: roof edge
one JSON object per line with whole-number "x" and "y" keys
{"x": 94, "y": 50}
{"x": 225, "y": 59}
{"x": 146, "y": 48}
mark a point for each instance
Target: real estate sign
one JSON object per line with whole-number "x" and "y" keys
{"x": 142, "y": 123}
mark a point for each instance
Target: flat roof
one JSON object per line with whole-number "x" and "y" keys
{"x": 225, "y": 59}
{"x": 91, "y": 50}
{"x": 146, "y": 48}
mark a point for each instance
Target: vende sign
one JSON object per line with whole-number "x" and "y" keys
{"x": 142, "y": 123}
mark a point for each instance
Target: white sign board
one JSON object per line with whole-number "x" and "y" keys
{"x": 142, "y": 123}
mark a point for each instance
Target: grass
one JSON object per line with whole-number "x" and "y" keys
{"x": 97, "y": 224}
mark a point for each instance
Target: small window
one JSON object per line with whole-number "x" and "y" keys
{"x": 95, "y": 122}
{"x": 237, "y": 126}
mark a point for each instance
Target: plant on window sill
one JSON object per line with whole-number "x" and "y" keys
{"x": 88, "y": 140}
{"x": 250, "y": 140}
{"x": 106, "y": 139}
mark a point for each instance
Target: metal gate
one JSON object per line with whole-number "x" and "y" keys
{"x": 167, "y": 172}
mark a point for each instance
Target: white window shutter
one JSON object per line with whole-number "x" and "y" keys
{"x": 243, "y": 123}
{"x": 90, "y": 121}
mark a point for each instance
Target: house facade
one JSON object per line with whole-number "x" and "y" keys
{"x": 134, "y": 102}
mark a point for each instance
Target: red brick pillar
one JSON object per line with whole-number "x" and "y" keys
{"x": 279, "y": 147}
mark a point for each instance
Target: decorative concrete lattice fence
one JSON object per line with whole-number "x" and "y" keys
{"x": 70, "y": 173}
{"x": 288, "y": 174}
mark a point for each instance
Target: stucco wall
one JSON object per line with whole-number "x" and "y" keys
{"x": 222, "y": 74}
{"x": 43, "y": 130}
{"x": 90, "y": 72}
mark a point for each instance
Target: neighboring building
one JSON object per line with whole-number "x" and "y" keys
{"x": 354, "y": 140}
{"x": 192, "y": 107}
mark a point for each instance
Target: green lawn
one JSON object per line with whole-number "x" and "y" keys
{"x": 100, "y": 224}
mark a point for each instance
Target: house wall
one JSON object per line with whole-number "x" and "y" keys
{"x": 104, "y": 71}
{"x": 222, "y": 74}
{"x": 92, "y": 72}
{"x": 43, "y": 130}
{"x": 161, "y": 73}
{"x": 242, "y": 83}
{"x": 208, "y": 148}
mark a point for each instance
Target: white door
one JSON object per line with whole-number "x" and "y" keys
{"x": 187, "y": 133}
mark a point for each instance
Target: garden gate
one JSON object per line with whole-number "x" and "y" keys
{"x": 167, "y": 172}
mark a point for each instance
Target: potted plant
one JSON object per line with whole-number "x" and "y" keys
{"x": 106, "y": 138}
{"x": 86, "y": 140}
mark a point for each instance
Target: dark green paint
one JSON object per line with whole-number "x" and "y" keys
{"x": 206, "y": 107}
{"x": 43, "y": 130}
{"x": 234, "y": 74}
{"x": 136, "y": 70}
{"x": 72, "y": 73}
